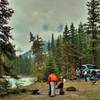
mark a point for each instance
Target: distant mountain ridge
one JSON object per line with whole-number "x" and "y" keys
{"x": 29, "y": 53}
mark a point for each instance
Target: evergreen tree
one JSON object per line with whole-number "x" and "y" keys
{"x": 93, "y": 20}
{"x": 50, "y": 69}
{"x": 51, "y": 66}
{"x": 37, "y": 48}
{"x": 66, "y": 50}
{"x": 39, "y": 63}
{"x": 49, "y": 46}
{"x": 66, "y": 40}
{"x": 83, "y": 45}
{"x": 52, "y": 51}
{"x": 6, "y": 48}
{"x": 22, "y": 65}
{"x": 73, "y": 34}
{"x": 53, "y": 44}
{"x": 59, "y": 53}
{"x": 80, "y": 39}
{"x": 98, "y": 53}
{"x": 73, "y": 46}
{"x": 66, "y": 35}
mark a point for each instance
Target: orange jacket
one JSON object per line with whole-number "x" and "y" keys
{"x": 52, "y": 77}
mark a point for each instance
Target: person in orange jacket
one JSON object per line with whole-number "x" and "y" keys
{"x": 52, "y": 80}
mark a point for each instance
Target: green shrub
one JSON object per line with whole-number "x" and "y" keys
{"x": 4, "y": 85}
{"x": 50, "y": 69}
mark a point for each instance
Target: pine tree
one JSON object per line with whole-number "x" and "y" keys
{"x": 52, "y": 48}
{"x": 83, "y": 45}
{"x": 72, "y": 34}
{"x": 49, "y": 46}
{"x": 39, "y": 61}
{"x": 93, "y": 20}
{"x": 22, "y": 65}
{"x": 59, "y": 53}
{"x": 80, "y": 39}
{"x": 73, "y": 44}
{"x": 6, "y": 48}
{"x": 66, "y": 50}
{"x": 37, "y": 49}
{"x": 66, "y": 34}
{"x": 53, "y": 44}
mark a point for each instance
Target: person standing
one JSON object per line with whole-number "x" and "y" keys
{"x": 93, "y": 75}
{"x": 52, "y": 80}
{"x": 85, "y": 75}
{"x": 78, "y": 74}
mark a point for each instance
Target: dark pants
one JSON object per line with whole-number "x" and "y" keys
{"x": 49, "y": 90}
{"x": 85, "y": 76}
{"x": 60, "y": 87}
{"x": 78, "y": 78}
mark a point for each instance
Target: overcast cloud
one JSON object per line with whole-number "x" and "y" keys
{"x": 44, "y": 17}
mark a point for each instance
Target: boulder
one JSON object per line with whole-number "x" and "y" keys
{"x": 35, "y": 92}
{"x": 71, "y": 88}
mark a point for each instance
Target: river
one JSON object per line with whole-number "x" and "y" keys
{"x": 23, "y": 81}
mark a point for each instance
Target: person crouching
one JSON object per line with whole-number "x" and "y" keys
{"x": 59, "y": 86}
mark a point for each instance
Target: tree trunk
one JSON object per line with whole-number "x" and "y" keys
{"x": 94, "y": 44}
{"x": 1, "y": 64}
{"x": 94, "y": 53}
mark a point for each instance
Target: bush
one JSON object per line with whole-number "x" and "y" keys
{"x": 50, "y": 69}
{"x": 4, "y": 85}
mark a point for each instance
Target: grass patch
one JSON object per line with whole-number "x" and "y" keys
{"x": 86, "y": 91}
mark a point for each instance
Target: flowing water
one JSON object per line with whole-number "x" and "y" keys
{"x": 23, "y": 81}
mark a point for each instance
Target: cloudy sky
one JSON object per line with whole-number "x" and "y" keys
{"x": 44, "y": 17}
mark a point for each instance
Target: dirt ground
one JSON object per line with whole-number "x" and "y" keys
{"x": 86, "y": 91}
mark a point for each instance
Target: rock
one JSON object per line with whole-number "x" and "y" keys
{"x": 71, "y": 88}
{"x": 23, "y": 90}
{"x": 36, "y": 92}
